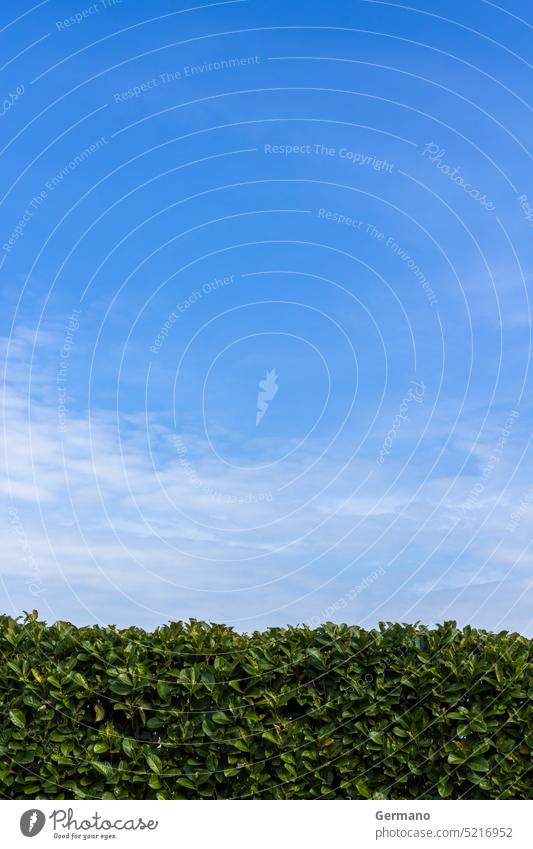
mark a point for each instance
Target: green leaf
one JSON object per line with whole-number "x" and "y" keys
{"x": 267, "y": 735}
{"x": 163, "y": 690}
{"x": 17, "y": 718}
{"x": 156, "y": 722}
{"x": 154, "y": 763}
{"x": 479, "y": 764}
{"x": 78, "y": 679}
{"x": 120, "y": 687}
{"x": 316, "y": 655}
{"x": 221, "y": 718}
{"x": 445, "y": 787}
{"x": 184, "y": 782}
{"x": 99, "y": 712}
{"x": 128, "y": 747}
{"x": 104, "y": 767}
{"x": 456, "y": 759}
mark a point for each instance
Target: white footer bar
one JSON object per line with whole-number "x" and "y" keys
{"x": 268, "y": 824}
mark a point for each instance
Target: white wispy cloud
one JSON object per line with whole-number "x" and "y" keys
{"x": 125, "y": 520}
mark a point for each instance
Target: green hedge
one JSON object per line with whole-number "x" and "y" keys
{"x": 196, "y": 710}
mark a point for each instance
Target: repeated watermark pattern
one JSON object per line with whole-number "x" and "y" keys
{"x": 342, "y": 604}
{"x": 355, "y": 157}
{"x": 50, "y": 185}
{"x": 84, "y": 14}
{"x": 274, "y": 260}
{"x": 182, "y": 307}
{"x": 231, "y": 63}
{"x": 391, "y": 243}
{"x": 526, "y": 208}
{"x": 369, "y": 229}
{"x": 201, "y": 486}
{"x": 9, "y": 102}
{"x": 33, "y": 578}
{"x": 490, "y": 465}
{"x": 415, "y": 394}
{"x": 63, "y": 369}
{"x": 268, "y": 389}
{"x": 517, "y": 515}
{"x": 436, "y": 155}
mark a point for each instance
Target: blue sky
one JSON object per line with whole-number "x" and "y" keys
{"x": 321, "y": 213}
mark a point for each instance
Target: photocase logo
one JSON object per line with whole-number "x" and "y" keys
{"x": 268, "y": 388}
{"x": 32, "y": 822}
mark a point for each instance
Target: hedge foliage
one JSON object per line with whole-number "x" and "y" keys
{"x": 196, "y": 710}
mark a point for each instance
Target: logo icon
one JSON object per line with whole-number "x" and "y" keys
{"x": 32, "y": 822}
{"x": 268, "y": 388}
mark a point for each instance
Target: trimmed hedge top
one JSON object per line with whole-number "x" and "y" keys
{"x": 196, "y": 710}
